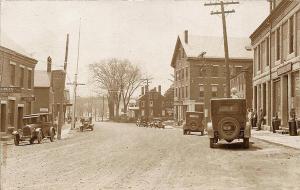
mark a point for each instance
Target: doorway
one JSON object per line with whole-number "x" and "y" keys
{"x": 20, "y": 117}
{"x": 3, "y": 118}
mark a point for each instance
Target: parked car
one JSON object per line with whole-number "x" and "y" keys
{"x": 229, "y": 121}
{"x": 157, "y": 123}
{"x": 194, "y": 122}
{"x": 142, "y": 123}
{"x": 169, "y": 124}
{"x": 86, "y": 123}
{"x": 35, "y": 127}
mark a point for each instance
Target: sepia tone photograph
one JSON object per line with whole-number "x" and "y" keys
{"x": 149, "y": 94}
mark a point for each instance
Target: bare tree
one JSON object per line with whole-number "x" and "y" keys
{"x": 120, "y": 78}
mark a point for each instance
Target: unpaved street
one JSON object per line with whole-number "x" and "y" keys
{"x": 123, "y": 156}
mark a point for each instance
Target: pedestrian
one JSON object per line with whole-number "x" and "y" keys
{"x": 254, "y": 118}
{"x": 250, "y": 116}
{"x": 260, "y": 119}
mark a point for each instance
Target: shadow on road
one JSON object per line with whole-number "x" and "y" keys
{"x": 237, "y": 146}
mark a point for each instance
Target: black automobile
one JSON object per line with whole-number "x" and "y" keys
{"x": 86, "y": 123}
{"x": 194, "y": 122}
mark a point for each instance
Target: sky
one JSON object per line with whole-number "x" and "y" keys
{"x": 144, "y": 32}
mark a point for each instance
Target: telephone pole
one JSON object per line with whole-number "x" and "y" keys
{"x": 147, "y": 80}
{"x": 223, "y": 12}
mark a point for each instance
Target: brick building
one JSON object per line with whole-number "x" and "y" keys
{"x": 199, "y": 70}
{"x": 152, "y": 101}
{"x": 16, "y": 70}
{"x": 243, "y": 83}
{"x": 169, "y": 102}
{"x": 276, "y": 48}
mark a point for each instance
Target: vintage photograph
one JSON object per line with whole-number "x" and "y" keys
{"x": 149, "y": 94}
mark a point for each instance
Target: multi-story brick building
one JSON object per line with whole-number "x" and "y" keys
{"x": 151, "y": 103}
{"x": 199, "y": 70}
{"x": 16, "y": 70}
{"x": 242, "y": 82}
{"x": 276, "y": 47}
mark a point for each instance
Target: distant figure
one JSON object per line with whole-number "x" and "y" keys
{"x": 234, "y": 93}
{"x": 250, "y": 110}
{"x": 260, "y": 119}
{"x": 254, "y": 118}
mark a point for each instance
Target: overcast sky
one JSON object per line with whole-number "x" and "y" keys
{"x": 145, "y": 32}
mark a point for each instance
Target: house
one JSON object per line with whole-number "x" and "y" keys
{"x": 16, "y": 82}
{"x": 151, "y": 103}
{"x": 199, "y": 70}
{"x": 276, "y": 49}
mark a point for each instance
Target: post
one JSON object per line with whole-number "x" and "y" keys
{"x": 102, "y": 107}
{"x": 60, "y": 119}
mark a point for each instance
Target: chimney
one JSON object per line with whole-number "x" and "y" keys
{"x": 186, "y": 36}
{"x": 49, "y": 63}
{"x": 142, "y": 90}
{"x": 146, "y": 89}
{"x": 159, "y": 88}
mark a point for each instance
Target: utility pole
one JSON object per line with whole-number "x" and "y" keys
{"x": 223, "y": 12}
{"x": 147, "y": 80}
{"x": 61, "y": 107}
{"x": 75, "y": 81}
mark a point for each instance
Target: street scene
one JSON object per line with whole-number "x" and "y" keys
{"x": 140, "y": 94}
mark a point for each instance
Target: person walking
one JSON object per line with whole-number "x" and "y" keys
{"x": 260, "y": 119}
{"x": 250, "y": 116}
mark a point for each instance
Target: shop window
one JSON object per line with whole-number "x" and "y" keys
{"x": 201, "y": 91}
{"x": 11, "y": 112}
{"x": 277, "y": 98}
{"x": 199, "y": 108}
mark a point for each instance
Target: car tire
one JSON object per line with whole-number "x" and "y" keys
{"x": 184, "y": 132}
{"x": 51, "y": 133}
{"x": 31, "y": 141}
{"x": 202, "y": 133}
{"x": 189, "y": 132}
{"x": 81, "y": 129}
{"x": 39, "y": 137}
{"x": 211, "y": 143}
{"x": 246, "y": 143}
{"x": 17, "y": 140}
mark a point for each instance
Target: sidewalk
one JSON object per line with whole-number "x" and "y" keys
{"x": 279, "y": 139}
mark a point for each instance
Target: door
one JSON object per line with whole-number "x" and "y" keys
{"x": 3, "y": 118}
{"x": 20, "y": 117}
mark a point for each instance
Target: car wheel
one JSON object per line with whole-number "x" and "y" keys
{"x": 202, "y": 133}
{"x": 31, "y": 141}
{"x": 246, "y": 142}
{"x": 81, "y": 129}
{"x": 39, "y": 138}
{"x": 184, "y": 132}
{"x": 211, "y": 143}
{"x": 16, "y": 140}
{"x": 51, "y": 132}
{"x": 189, "y": 132}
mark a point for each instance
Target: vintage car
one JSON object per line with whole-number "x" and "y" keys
{"x": 86, "y": 124}
{"x": 142, "y": 123}
{"x": 194, "y": 122}
{"x": 35, "y": 127}
{"x": 229, "y": 121}
{"x": 157, "y": 123}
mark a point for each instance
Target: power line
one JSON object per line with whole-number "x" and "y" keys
{"x": 222, "y": 12}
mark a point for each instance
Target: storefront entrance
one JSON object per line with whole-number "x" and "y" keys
{"x": 3, "y": 118}
{"x": 20, "y": 117}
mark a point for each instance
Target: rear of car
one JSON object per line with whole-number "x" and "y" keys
{"x": 194, "y": 122}
{"x": 228, "y": 121}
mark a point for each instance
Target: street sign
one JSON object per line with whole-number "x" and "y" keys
{"x": 10, "y": 89}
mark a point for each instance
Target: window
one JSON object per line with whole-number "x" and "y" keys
{"x": 13, "y": 74}
{"x": 258, "y": 58}
{"x": 291, "y": 35}
{"x": 202, "y": 71}
{"x": 238, "y": 69}
{"x": 214, "y": 71}
{"x": 142, "y": 104}
{"x": 182, "y": 92}
{"x": 278, "y": 44}
{"x": 268, "y": 51}
{"x": 201, "y": 91}
{"x": 29, "y": 79}
{"x": 22, "y": 77}
{"x": 214, "y": 91}
{"x": 187, "y": 73}
{"x": 176, "y": 92}
{"x": 11, "y": 112}
{"x": 151, "y": 103}
{"x": 186, "y": 91}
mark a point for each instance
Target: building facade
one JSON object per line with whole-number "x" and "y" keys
{"x": 199, "y": 70}
{"x": 276, "y": 48}
{"x": 242, "y": 82}
{"x": 16, "y": 71}
{"x": 151, "y": 103}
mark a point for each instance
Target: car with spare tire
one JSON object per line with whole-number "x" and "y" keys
{"x": 194, "y": 122}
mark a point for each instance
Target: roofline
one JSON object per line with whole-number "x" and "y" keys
{"x": 176, "y": 46}
{"x": 282, "y": 6}
{"x": 222, "y": 59}
{"x": 12, "y": 52}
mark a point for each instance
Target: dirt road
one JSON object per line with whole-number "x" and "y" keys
{"x": 123, "y": 156}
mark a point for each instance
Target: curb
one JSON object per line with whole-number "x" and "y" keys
{"x": 275, "y": 143}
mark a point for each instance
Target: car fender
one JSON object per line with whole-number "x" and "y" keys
{"x": 247, "y": 131}
{"x": 210, "y": 131}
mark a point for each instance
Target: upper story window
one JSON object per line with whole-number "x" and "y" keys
{"x": 175, "y": 92}
{"x": 291, "y": 34}
{"x": 29, "y": 78}
{"x": 202, "y": 71}
{"x": 13, "y": 74}
{"x": 186, "y": 73}
{"x": 214, "y": 72}
{"x": 22, "y": 71}
{"x": 268, "y": 51}
{"x": 278, "y": 44}
{"x": 201, "y": 91}
{"x": 258, "y": 58}
{"x": 214, "y": 91}
{"x": 186, "y": 91}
